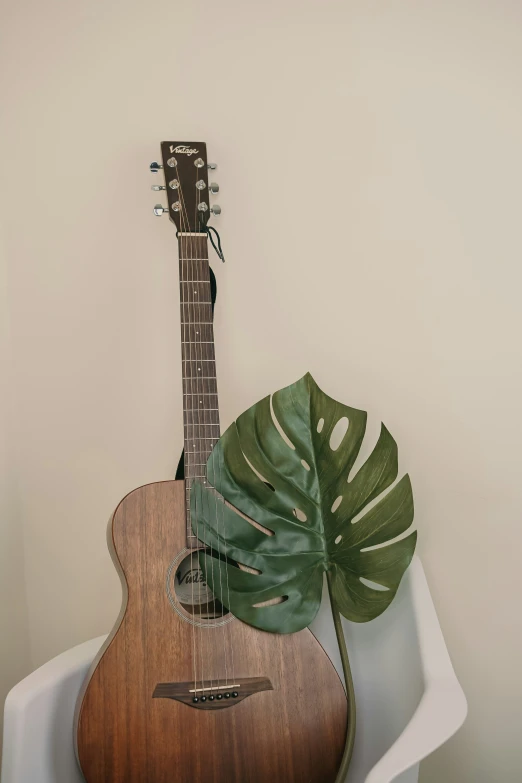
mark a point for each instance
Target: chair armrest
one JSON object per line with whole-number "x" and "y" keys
{"x": 441, "y": 712}
{"x": 443, "y": 706}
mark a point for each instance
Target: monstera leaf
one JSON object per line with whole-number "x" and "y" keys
{"x": 279, "y": 464}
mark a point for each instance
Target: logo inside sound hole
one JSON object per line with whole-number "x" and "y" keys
{"x": 190, "y": 586}
{"x": 192, "y": 591}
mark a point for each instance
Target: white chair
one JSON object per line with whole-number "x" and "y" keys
{"x": 409, "y": 700}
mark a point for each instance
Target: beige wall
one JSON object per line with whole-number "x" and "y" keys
{"x": 370, "y": 165}
{"x": 15, "y": 653}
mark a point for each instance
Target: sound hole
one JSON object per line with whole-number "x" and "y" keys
{"x": 192, "y": 591}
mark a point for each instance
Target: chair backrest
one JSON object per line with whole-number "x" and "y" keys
{"x": 38, "y": 726}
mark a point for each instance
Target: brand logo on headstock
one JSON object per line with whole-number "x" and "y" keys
{"x": 183, "y": 149}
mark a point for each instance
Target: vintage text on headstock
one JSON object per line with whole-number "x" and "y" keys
{"x": 185, "y": 169}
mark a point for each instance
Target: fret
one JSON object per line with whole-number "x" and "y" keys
{"x": 195, "y": 349}
{"x": 199, "y": 445}
{"x": 196, "y": 312}
{"x": 196, "y": 437}
{"x": 200, "y": 427}
{"x": 195, "y": 366}
{"x": 194, "y": 370}
{"x": 193, "y": 332}
{"x": 199, "y": 416}
{"x": 200, "y": 386}
{"x": 194, "y": 270}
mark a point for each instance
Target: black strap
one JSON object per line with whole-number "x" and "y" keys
{"x": 217, "y": 247}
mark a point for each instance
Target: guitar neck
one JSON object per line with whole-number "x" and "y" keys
{"x": 200, "y": 397}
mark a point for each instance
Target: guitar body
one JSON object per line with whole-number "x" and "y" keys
{"x": 292, "y": 733}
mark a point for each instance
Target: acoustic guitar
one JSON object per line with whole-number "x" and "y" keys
{"x": 182, "y": 692}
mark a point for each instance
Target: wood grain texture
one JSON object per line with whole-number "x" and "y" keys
{"x": 292, "y": 734}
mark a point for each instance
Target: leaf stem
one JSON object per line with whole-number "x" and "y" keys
{"x": 350, "y": 693}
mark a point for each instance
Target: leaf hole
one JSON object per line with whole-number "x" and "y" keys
{"x": 271, "y": 602}
{"x": 300, "y": 515}
{"x": 376, "y": 500}
{"x": 370, "y": 438}
{"x": 279, "y": 428}
{"x": 373, "y": 585}
{"x": 251, "y": 521}
{"x": 338, "y": 539}
{"x": 338, "y": 433}
{"x": 320, "y": 425}
{"x": 305, "y": 464}
{"x": 249, "y": 569}
{"x": 336, "y": 503}
{"x": 258, "y": 474}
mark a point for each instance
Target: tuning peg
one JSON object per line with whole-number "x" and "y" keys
{"x": 213, "y": 187}
{"x": 216, "y": 209}
{"x": 154, "y": 167}
{"x": 159, "y": 209}
{"x": 158, "y": 187}
{"x": 212, "y": 166}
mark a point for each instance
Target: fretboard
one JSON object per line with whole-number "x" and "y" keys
{"x": 200, "y": 398}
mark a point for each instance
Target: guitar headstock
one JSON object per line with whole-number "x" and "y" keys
{"x": 185, "y": 168}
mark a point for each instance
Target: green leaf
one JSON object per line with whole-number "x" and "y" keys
{"x": 290, "y": 491}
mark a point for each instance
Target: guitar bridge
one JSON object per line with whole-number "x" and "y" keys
{"x": 212, "y": 694}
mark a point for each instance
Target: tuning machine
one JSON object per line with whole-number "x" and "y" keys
{"x": 213, "y": 187}
{"x": 212, "y": 166}
{"x": 216, "y": 209}
{"x": 158, "y": 187}
{"x": 159, "y": 210}
{"x": 155, "y": 167}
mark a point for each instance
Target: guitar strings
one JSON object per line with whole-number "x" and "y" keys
{"x": 196, "y": 380}
{"x": 186, "y": 326}
{"x": 197, "y": 452}
{"x": 191, "y": 257}
{"x": 225, "y": 634}
{"x": 221, "y": 596}
{"x": 212, "y": 460}
{"x": 199, "y": 243}
{"x": 221, "y": 504}
{"x": 225, "y": 603}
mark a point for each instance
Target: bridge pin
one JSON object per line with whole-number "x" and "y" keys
{"x": 227, "y": 695}
{"x": 211, "y": 698}
{"x": 219, "y": 696}
{"x": 235, "y": 694}
{"x": 195, "y": 699}
{"x": 203, "y": 698}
